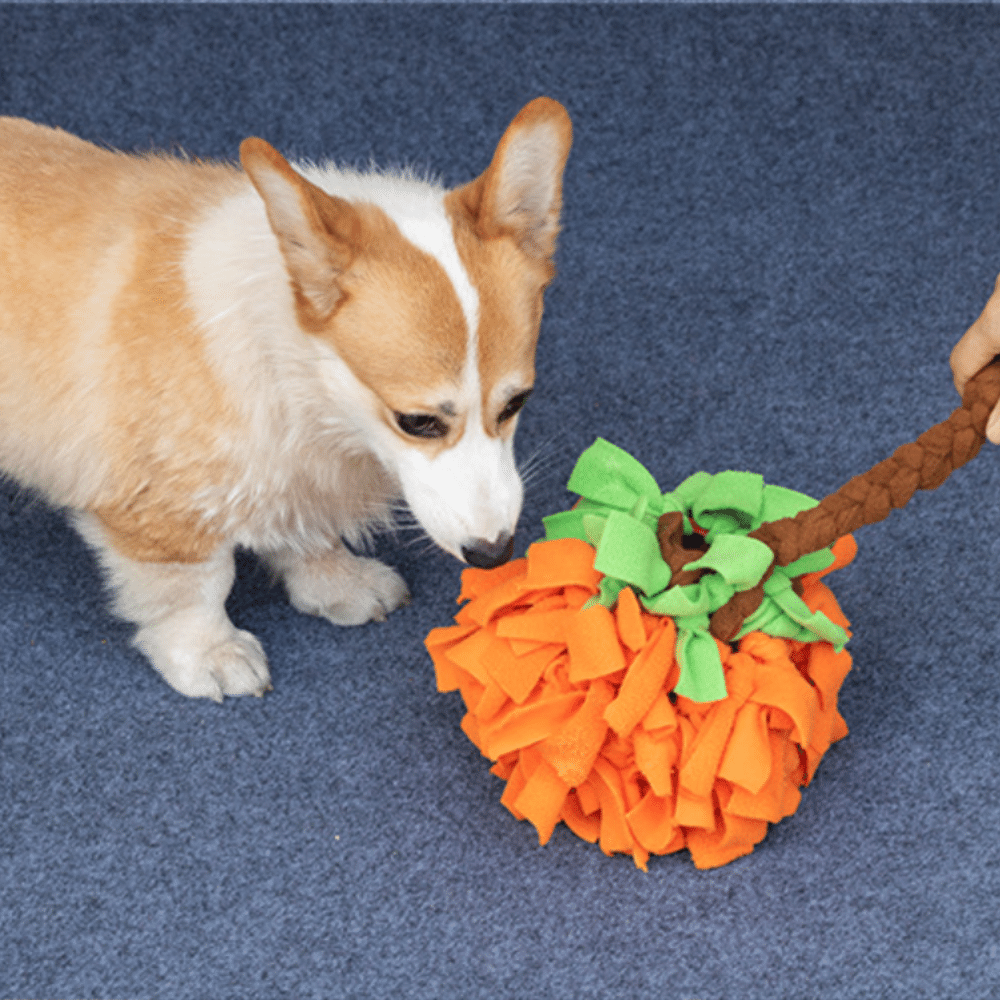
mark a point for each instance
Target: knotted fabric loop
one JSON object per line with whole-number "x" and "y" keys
{"x": 625, "y": 516}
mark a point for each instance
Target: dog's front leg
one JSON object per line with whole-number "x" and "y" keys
{"x": 182, "y": 625}
{"x": 338, "y": 585}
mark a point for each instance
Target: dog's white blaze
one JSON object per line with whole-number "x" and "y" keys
{"x": 471, "y": 491}
{"x": 432, "y": 233}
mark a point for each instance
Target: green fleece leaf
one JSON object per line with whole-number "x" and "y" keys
{"x": 618, "y": 513}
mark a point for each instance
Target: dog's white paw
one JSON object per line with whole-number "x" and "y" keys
{"x": 234, "y": 666}
{"x": 345, "y": 589}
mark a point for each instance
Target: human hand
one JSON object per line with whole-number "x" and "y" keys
{"x": 978, "y": 347}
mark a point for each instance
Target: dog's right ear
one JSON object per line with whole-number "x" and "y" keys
{"x": 318, "y": 233}
{"x": 520, "y": 193}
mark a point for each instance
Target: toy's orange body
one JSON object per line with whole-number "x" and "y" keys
{"x": 575, "y": 708}
{"x": 649, "y": 733}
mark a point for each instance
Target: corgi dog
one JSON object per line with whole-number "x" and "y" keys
{"x": 198, "y": 356}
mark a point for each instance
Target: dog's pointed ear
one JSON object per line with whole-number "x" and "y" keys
{"x": 319, "y": 234}
{"x": 520, "y": 194}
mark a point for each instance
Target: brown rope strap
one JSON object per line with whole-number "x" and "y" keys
{"x": 923, "y": 464}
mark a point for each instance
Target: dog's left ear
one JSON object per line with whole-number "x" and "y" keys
{"x": 520, "y": 194}
{"x": 319, "y": 235}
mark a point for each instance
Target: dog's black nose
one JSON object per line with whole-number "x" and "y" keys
{"x": 486, "y": 554}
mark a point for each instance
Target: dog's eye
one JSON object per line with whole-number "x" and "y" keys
{"x": 514, "y": 406}
{"x": 421, "y": 425}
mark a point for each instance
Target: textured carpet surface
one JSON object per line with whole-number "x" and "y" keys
{"x": 778, "y": 222}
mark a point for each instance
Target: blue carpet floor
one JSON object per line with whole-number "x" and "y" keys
{"x": 778, "y": 221}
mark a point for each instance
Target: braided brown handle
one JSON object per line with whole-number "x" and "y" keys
{"x": 923, "y": 464}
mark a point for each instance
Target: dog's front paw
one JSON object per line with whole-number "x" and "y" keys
{"x": 234, "y": 666}
{"x": 376, "y": 591}
{"x": 346, "y": 589}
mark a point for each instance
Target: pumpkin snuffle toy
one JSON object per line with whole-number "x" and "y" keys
{"x": 662, "y": 670}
